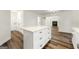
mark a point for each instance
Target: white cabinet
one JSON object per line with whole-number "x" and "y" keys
{"x": 75, "y": 39}
{"x": 36, "y": 37}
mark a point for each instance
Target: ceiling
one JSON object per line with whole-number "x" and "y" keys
{"x": 44, "y": 11}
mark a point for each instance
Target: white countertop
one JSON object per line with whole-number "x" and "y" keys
{"x": 33, "y": 28}
{"x": 76, "y": 29}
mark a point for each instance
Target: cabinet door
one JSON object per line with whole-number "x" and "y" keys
{"x": 41, "y": 37}
{"x": 46, "y": 36}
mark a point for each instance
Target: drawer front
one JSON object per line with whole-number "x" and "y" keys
{"x": 35, "y": 45}
{"x": 38, "y": 39}
{"x": 43, "y": 43}
{"x": 46, "y": 38}
{"x": 38, "y": 44}
{"x": 49, "y": 29}
{"x": 42, "y": 34}
{"x": 38, "y": 36}
{"x": 41, "y": 37}
{"x": 49, "y": 33}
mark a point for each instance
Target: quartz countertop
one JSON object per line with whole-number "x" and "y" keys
{"x": 33, "y": 28}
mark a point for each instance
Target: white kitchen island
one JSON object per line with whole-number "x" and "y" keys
{"x": 36, "y": 37}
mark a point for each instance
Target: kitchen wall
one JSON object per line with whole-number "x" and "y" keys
{"x": 30, "y": 18}
{"x": 4, "y": 26}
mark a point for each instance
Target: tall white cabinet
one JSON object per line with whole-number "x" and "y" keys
{"x": 4, "y": 26}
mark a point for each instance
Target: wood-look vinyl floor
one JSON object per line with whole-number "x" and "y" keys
{"x": 59, "y": 40}
{"x": 16, "y": 41}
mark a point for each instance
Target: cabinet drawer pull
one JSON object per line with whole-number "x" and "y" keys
{"x": 48, "y": 33}
{"x": 41, "y": 45}
{"x": 40, "y": 32}
{"x": 40, "y": 38}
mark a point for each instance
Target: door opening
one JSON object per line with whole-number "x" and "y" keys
{"x": 54, "y": 23}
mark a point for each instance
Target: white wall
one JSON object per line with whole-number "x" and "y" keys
{"x": 30, "y": 18}
{"x": 68, "y": 19}
{"x": 75, "y": 18}
{"x": 65, "y": 21}
{"x": 4, "y": 26}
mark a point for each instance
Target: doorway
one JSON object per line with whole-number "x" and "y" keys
{"x": 54, "y": 23}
